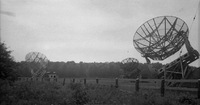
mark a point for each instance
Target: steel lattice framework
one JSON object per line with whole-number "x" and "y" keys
{"x": 130, "y": 63}
{"x": 160, "y": 37}
{"x": 130, "y": 60}
{"x": 37, "y": 62}
{"x": 130, "y": 67}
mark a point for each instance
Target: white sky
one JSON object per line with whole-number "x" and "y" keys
{"x": 85, "y": 30}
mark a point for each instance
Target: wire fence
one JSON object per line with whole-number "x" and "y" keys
{"x": 130, "y": 85}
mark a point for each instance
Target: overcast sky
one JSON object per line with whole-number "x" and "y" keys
{"x": 85, "y": 30}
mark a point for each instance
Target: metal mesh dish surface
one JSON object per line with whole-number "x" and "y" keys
{"x": 160, "y": 37}
{"x": 130, "y": 63}
{"x": 36, "y": 60}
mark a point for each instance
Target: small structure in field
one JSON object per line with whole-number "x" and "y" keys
{"x": 51, "y": 75}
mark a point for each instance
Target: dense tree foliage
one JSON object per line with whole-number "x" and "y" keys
{"x": 71, "y": 69}
{"x": 7, "y": 64}
{"x": 92, "y": 70}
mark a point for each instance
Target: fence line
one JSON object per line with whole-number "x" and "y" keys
{"x": 139, "y": 83}
{"x": 182, "y": 80}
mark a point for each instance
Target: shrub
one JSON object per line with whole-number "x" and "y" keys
{"x": 47, "y": 93}
{"x": 7, "y": 64}
{"x": 79, "y": 95}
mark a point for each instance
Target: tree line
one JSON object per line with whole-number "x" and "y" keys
{"x": 71, "y": 69}
{"x": 10, "y": 70}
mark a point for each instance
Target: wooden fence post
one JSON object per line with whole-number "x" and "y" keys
{"x": 198, "y": 89}
{"x": 84, "y": 81}
{"x": 162, "y": 89}
{"x": 137, "y": 82}
{"x": 97, "y": 81}
{"x": 116, "y": 83}
{"x": 63, "y": 81}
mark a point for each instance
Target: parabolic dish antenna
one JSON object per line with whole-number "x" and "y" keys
{"x": 130, "y": 64}
{"x": 37, "y": 63}
{"x": 160, "y": 37}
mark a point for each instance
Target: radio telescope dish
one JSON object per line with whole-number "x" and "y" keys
{"x": 37, "y": 63}
{"x": 130, "y": 67}
{"x": 130, "y": 64}
{"x": 160, "y": 37}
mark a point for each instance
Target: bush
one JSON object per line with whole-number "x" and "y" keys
{"x": 79, "y": 95}
{"x": 7, "y": 64}
{"x": 51, "y": 93}
{"x": 31, "y": 92}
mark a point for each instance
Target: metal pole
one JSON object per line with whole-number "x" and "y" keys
{"x": 116, "y": 83}
{"x": 97, "y": 81}
{"x": 164, "y": 72}
{"x": 137, "y": 82}
{"x": 198, "y": 88}
{"x": 162, "y": 89}
{"x": 84, "y": 81}
{"x": 63, "y": 81}
{"x": 199, "y": 30}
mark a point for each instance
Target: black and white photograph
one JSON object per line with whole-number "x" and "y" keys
{"x": 99, "y": 52}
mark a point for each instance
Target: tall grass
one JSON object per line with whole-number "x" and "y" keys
{"x": 50, "y": 93}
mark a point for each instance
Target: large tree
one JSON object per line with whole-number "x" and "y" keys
{"x": 7, "y": 64}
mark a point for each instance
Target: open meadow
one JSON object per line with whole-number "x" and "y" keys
{"x": 77, "y": 93}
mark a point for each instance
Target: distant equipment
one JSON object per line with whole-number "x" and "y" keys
{"x": 129, "y": 65}
{"x": 51, "y": 75}
{"x": 37, "y": 62}
{"x": 131, "y": 62}
{"x": 161, "y": 37}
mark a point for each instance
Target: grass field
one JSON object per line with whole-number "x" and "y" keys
{"x": 104, "y": 93}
